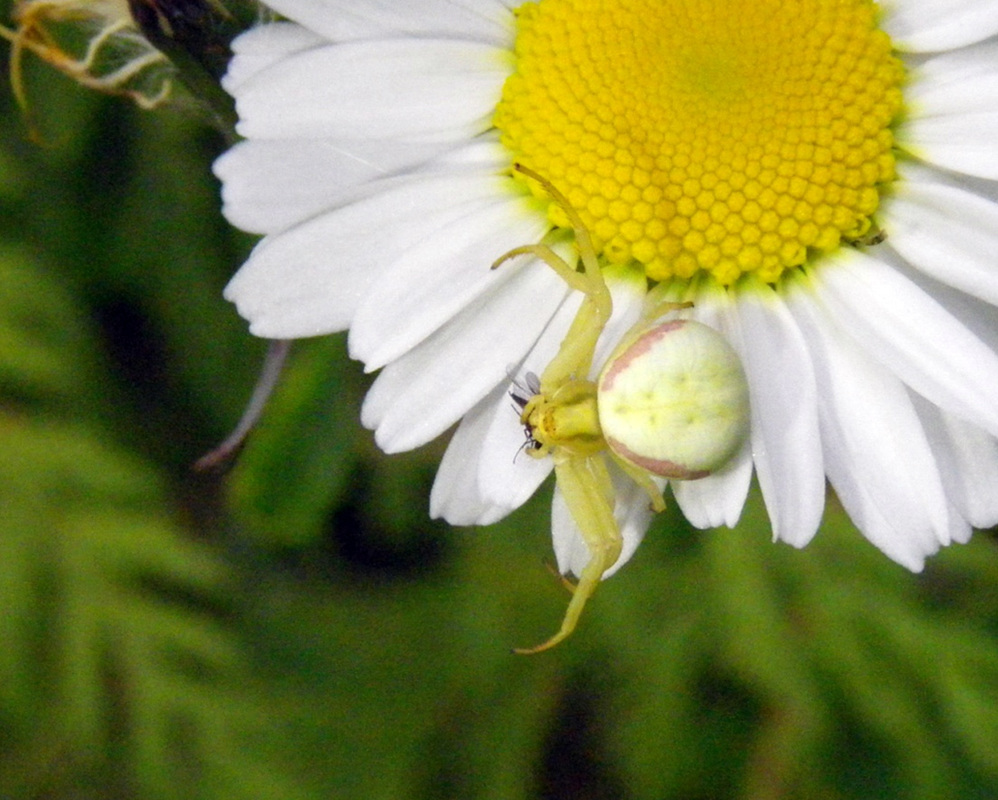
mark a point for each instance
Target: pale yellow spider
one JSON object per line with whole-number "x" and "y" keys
{"x": 671, "y": 401}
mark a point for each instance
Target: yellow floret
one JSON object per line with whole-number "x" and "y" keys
{"x": 701, "y": 136}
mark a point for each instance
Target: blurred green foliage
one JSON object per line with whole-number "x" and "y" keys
{"x": 298, "y": 627}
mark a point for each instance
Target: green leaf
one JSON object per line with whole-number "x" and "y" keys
{"x": 46, "y": 347}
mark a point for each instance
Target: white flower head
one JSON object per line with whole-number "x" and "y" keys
{"x": 817, "y": 178}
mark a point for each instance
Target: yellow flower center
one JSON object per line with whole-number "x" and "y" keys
{"x": 722, "y": 136}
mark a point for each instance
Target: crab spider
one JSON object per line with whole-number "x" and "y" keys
{"x": 671, "y": 402}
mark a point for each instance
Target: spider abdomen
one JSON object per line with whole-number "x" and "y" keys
{"x": 672, "y": 400}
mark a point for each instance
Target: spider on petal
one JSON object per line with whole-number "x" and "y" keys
{"x": 671, "y": 402}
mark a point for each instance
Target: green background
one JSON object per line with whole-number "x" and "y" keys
{"x": 297, "y": 627}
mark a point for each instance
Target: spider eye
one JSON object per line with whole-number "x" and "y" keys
{"x": 674, "y": 401}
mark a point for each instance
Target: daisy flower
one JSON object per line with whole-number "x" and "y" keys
{"x": 817, "y": 177}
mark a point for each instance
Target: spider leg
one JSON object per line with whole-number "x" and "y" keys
{"x": 585, "y": 483}
{"x": 643, "y": 479}
{"x": 575, "y": 356}
{"x": 574, "y": 279}
{"x": 657, "y": 310}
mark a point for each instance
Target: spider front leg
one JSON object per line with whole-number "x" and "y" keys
{"x": 588, "y": 491}
{"x": 562, "y": 417}
{"x": 575, "y": 357}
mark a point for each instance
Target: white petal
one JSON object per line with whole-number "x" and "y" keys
{"x": 976, "y": 315}
{"x": 876, "y": 452}
{"x": 419, "y": 396}
{"x": 261, "y": 47}
{"x": 455, "y": 496}
{"x": 912, "y": 335}
{"x": 968, "y": 464}
{"x": 309, "y": 280}
{"x": 719, "y": 498}
{"x": 963, "y": 142}
{"x": 270, "y": 185}
{"x": 484, "y": 20}
{"x": 320, "y": 18}
{"x": 959, "y": 81}
{"x": 952, "y": 110}
{"x": 960, "y": 531}
{"x": 434, "y": 279}
{"x": 947, "y": 233}
{"x": 930, "y": 25}
{"x": 785, "y": 441}
{"x": 570, "y": 550}
{"x": 418, "y": 90}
